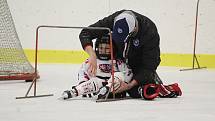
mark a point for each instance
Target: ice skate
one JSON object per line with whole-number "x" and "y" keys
{"x": 103, "y": 93}
{"x": 69, "y": 94}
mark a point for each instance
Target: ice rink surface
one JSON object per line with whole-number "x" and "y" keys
{"x": 196, "y": 104}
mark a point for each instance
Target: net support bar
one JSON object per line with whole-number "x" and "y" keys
{"x": 194, "y": 43}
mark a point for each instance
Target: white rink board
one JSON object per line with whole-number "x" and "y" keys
{"x": 175, "y": 20}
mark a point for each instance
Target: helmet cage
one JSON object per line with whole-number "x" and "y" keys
{"x": 102, "y": 48}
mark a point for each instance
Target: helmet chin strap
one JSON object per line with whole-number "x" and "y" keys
{"x": 125, "y": 51}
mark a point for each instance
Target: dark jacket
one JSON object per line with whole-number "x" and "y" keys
{"x": 144, "y": 51}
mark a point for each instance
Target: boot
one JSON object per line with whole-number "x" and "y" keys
{"x": 69, "y": 94}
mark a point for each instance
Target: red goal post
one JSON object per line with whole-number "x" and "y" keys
{"x": 65, "y": 27}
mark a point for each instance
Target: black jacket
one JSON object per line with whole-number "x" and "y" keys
{"x": 144, "y": 51}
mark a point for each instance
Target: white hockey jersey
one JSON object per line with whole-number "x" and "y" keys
{"x": 104, "y": 69}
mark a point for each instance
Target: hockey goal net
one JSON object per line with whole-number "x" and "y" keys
{"x": 14, "y": 64}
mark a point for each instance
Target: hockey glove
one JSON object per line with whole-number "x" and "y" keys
{"x": 149, "y": 91}
{"x": 169, "y": 91}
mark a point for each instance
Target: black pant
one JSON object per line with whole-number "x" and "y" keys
{"x": 153, "y": 79}
{"x": 134, "y": 92}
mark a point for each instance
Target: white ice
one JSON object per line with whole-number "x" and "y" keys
{"x": 196, "y": 104}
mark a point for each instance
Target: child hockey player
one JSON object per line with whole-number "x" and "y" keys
{"x": 89, "y": 84}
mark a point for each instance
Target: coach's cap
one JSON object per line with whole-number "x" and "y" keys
{"x": 124, "y": 24}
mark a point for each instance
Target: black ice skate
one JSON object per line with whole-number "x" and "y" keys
{"x": 69, "y": 94}
{"x": 103, "y": 93}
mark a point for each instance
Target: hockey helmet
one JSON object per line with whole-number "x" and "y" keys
{"x": 125, "y": 26}
{"x": 102, "y": 48}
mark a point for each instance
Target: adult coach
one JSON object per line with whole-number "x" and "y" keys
{"x": 136, "y": 41}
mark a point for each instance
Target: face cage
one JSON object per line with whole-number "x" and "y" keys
{"x": 103, "y": 51}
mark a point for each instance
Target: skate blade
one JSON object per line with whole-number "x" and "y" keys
{"x": 62, "y": 99}
{"x": 112, "y": 99}
{"x": 75, "y": 99}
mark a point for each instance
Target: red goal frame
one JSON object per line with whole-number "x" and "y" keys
{"x": 36, "y": 57}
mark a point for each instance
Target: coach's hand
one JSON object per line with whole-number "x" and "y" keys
{"x": 92, "y": 61}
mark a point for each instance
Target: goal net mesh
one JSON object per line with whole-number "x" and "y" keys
{"x": 13, "y": 62}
